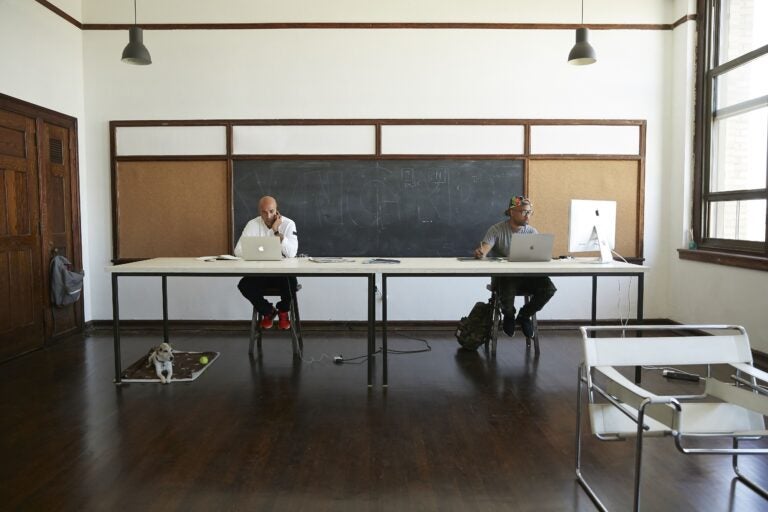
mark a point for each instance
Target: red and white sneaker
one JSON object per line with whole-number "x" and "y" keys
{"x": 283, "y": 322}
{"x": 268, "y": 320}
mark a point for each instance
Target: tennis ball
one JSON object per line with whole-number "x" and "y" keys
{"x": 203, "y": 359}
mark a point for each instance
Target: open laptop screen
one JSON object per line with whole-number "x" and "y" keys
{"x": 261, "y": 248}
{"x": 531, "y": 247}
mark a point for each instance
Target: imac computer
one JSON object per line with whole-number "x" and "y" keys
{"x": 592, "y": 227}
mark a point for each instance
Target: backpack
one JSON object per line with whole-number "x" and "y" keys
{"x": 66, "y": 284}
{"x": 475, "y": 330}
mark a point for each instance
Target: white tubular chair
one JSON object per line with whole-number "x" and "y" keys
{"x": 619, "y": 408}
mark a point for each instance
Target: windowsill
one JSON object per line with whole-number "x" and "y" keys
{"x": 724, "y": 258}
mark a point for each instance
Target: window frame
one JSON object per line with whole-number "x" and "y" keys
{"x": 744, "y": 253}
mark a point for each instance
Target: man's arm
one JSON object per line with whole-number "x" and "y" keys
{"x": 289, "y": 240}
{"x": 489, "y": 240}
{"x": 482, "y": 250}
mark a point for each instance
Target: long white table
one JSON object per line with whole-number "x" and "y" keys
{"x": 413, "y": 267}
{"x": 191, "y": 267}
{"x": 454, "y": 267}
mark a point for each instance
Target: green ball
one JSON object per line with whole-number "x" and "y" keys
{"x": 203, "y": 359}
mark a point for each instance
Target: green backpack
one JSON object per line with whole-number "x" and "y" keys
{"x": 475, "y": 330}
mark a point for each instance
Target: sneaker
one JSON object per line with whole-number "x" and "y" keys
{"x": 526, "y": 325}
{"x": 508, "y": 325}
{"x": 268, "y": 319}
{"x": 283, "y": 322}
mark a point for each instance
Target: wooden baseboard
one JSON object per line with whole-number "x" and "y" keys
{"x": 153, "y": 326}
{"x": 218, "y": 326}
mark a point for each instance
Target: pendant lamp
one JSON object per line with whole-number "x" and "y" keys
{"x": 582, "y": 52}
{"x": 135, "y": 52}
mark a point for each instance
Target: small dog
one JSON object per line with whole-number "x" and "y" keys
{"x": 162, "y": 357}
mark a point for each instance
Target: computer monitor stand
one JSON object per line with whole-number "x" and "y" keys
{"x": 602, "y": 243}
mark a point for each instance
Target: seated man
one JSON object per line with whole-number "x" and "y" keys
{"x": 270, "y": 223}
{"x": 497, "y": 241}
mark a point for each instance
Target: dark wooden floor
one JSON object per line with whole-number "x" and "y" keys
{"x": 453, "y": 432}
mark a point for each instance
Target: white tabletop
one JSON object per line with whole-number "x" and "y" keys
{"x": 421, "y": 266}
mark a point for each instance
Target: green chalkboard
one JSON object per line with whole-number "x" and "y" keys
{"x": 416, "y": 208}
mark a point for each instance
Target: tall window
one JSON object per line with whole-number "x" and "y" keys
{"x": 732, "y": 127}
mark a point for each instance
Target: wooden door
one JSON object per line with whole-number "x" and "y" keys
{"x": 58, "y": 193}
{"x": 21, "y": 300}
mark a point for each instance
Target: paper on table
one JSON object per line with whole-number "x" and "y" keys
{"x": 330, "y": 259}
{"x": 220, "y": 257}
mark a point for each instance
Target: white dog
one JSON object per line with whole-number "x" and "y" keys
{"x": 162, "y": 357}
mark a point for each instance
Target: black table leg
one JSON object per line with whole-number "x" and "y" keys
{"x": 640, "y": 291}
{"x": 371, "y": 327}
{"x": 594, "y": 300}
{"x": 165, "y": 309}
{"x": 384, "y": 351}
{"x": 116, "y": 329}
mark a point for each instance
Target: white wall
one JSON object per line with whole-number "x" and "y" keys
{"x": 41, "y": 57}
{"x": 370, "y": 74}
{"x": 640, "y": 74}
{"x": 700, "y": 292}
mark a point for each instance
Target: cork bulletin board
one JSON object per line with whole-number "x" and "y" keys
{"x": 171, "y": 208}
{"x": 553, "y": 183}
{"x": 179, "y": 188}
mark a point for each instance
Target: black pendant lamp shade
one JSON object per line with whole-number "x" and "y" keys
{"x": 582, "y": 52}
{"x": 135, "y": 52}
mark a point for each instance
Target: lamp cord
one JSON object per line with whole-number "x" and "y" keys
{"x": 582, "y": 10}
{"x": 134, "y": 11}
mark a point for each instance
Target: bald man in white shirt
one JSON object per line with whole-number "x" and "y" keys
{"x": 270, "y": 223}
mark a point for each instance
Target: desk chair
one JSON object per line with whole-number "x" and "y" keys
{"x": 716, "y": 414}
{"x": 496, "y": 303}
{"x": 296, "y": 339}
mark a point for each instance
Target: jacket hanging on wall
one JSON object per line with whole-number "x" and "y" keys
{"x": 66, "y": 284}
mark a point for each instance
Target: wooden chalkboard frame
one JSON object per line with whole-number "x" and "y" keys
{"x": 526, "y": 156}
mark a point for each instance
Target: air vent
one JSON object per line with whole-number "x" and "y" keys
{"x": 56, "y": 151}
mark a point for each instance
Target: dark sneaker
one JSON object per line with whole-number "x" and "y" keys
{"x": 526, "y": 325}
{"x": 283, "y": 322}
{"x": 268, "y": 319}
{"x": 509, "y": 325}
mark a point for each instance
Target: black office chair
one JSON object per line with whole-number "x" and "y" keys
{"x": 497, "y": 316}
{"x": 296, "y": 339}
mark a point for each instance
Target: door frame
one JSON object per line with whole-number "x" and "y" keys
{"x": 43, "y": 115}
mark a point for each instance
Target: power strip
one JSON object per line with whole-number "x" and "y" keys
{"x": 671, "y": 374}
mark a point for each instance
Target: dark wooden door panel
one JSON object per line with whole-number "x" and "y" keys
{"x": 57, "y": 227}
{"x": 21, "y": 324}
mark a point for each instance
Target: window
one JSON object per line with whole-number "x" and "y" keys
{"x": 732, "y": 130}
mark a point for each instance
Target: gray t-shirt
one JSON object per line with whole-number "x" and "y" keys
{"x": 499, "y": 237}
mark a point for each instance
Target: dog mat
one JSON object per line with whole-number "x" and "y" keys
{"x": 186, "y": 367}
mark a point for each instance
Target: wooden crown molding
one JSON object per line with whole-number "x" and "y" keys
{"x": 371, "y": 26}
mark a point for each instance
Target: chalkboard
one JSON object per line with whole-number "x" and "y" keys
{"x": 417, "y": 208}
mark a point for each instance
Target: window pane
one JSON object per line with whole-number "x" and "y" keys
{"x": 745, "y": 82}
{"x": 737, "y": 220}
{"x": 739, "y": 151}
{"x": 744, "y": 27}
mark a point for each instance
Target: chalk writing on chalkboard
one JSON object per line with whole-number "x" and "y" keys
{"x": 380, "y": 208}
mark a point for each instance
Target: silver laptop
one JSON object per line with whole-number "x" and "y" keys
{"x": 531, "y": 248}
{"x": 261, "y": 248}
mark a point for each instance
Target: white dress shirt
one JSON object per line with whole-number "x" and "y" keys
{"x": 287, "y": 228}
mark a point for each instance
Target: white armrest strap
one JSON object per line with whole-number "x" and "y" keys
{"x": 738, "y": 396}
{"x": 751, "y": 370}
{"x": 633, "y": 395}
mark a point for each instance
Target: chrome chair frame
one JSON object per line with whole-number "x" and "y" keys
{"x": 665, "y": 415}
